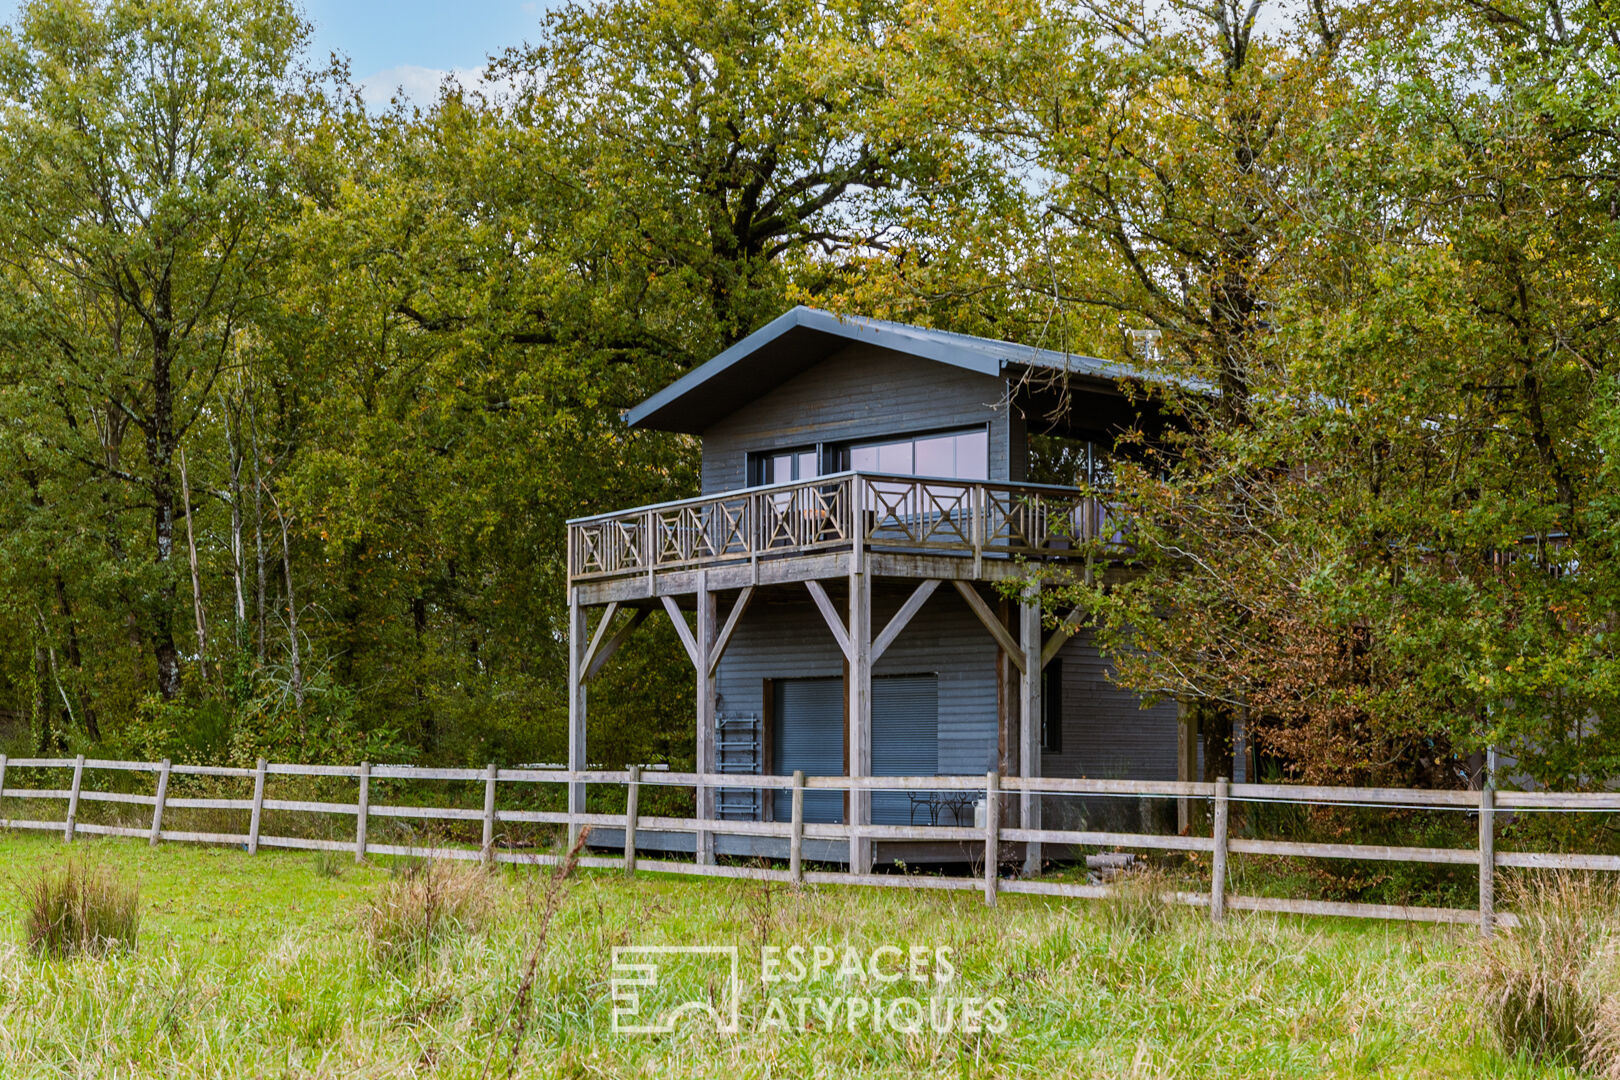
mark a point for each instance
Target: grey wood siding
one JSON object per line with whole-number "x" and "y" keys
{"x": 861, "y": 392}
{"x": 1107, "y": 735}
{"x": 784, "y": 637}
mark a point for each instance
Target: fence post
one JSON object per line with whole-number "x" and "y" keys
{"x": 258, "y": 806}
{"x": 1217, "y": 866}
{"x": 72, "y": 822}
{"x": 157, "y": 807}
{"x": 796, "y": 831}
{"x": 1487, "y": 859}
{"x": 489, "y": 815}
{"x": 632, "y": 811}
{"x": 3, "y": 818}
{"x": 992, "y": 834}
{"x": 362, "y": 812}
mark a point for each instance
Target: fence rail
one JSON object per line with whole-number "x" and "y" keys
{"x": 986, "y": 841}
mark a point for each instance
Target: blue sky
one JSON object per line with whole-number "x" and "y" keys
{"x": 409, "y": 43}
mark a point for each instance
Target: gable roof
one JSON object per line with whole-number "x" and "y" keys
{"x": 799, "y": 338}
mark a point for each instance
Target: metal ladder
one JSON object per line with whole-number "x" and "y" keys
{"x": 737, "y": 750}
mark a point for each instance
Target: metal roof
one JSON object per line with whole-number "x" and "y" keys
{"x": 803, "y": 336}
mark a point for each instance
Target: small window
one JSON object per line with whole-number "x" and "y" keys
{"x": 1052, "y": 708}
{"x": 783, "y": 466}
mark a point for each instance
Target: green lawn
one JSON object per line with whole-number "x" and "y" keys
{"x": 257, "y": 968}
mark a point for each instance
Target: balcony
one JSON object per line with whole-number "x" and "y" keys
{"x": 954, "y": 528}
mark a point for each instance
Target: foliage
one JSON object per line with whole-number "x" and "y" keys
{"x": 80, "y": 908}
{"x": 1367, "y": 251}
{"x": 373, "y": 361}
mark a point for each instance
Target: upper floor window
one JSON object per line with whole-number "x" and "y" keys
{"x": 957, "y": 455}
{"x": 783, "y": 466}
{"x": 1056, "y": 459}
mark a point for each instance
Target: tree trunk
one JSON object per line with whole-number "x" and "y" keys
{"x": 1215, "y": 723}
{"x": 160, "y": 449}
{"x": 196, "y": 578}
{"x": 297, "y": 676}
{"x": 75, "y": 658}
{"x": 40, "y": 703}
{"x": 258, "y": 526}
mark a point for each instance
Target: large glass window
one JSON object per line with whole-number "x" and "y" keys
{"x": 784, "y": 466}
{"x": 1055, "y": 459}
{"x": 955, "y": 455}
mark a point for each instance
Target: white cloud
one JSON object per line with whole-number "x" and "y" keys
{"x": 419, "y": 85}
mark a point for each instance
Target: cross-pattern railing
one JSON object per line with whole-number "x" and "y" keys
{"x": 979, "y": 519}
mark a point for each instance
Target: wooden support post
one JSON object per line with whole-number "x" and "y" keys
{"x": 577, "y": 710}
{"x": 1029, "y": 723}
{"x": 3, "y": 819}
{"x": 157, "y": 806}
{"x": 796, "y": 832}
{"x": 632, "y": 813}
{"x": 703, "y": 842}
{"x": 72, "y": 823}
{"x": 860, "y": 717}
{"x": 1186, "y": 762}
{"x": 1217, "y": 864}
{"x": 258, "y": 807}
{"x": 992, "y": 834}
{"x": 488, "y": 849}
{"x": 1487, "y": 859}
{"x": 362, "y": 812}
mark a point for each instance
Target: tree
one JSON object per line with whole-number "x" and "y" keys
{"x": 1381, "y": 241}
{"x": 141, "y": 186}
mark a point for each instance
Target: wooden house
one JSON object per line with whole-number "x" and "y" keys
{"x": 866, "y": 486}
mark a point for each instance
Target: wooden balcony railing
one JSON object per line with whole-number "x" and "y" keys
{"x": 846, "y": 511}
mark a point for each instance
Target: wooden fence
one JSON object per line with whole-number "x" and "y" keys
{"x": 988, "y": 839}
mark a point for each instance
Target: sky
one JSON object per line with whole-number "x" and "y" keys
{"x": 408, "y": 43}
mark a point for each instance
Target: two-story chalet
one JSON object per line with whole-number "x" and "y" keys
{"x": 865, "y": 486}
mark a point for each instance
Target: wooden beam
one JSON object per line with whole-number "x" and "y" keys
{"x": 1030, "y": 710}
{"x": 1060, "y": 637}
{"x": 683, "y": 631}
{"x": 601, "y": 631}
{"x": 614, "y": 643}
{"x": 724, "y": 638}
{"x": 703, "y": 648}
{"x": 919, "y": 596}
{"x": 830, "y": 613}
{"x": 1004, "y": 638}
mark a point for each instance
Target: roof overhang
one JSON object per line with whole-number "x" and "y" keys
{"x": 802, "y": 337}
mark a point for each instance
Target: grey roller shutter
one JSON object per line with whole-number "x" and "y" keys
{"x": 809, "y": 735}
{"x": 905, "y": 739}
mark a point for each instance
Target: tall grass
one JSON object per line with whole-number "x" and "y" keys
{"x": 1549, "y": 988}
{"x": 424, "y": 906}
{"x": 80, "y": 908}
{"x": 1140, "y": 904}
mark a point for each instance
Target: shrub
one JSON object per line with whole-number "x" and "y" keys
{"x": 430, "y": 903}
{"x": 1545, "y": 987}
{"x": 1140, "y": 904}
{"x": 77, "y": 908}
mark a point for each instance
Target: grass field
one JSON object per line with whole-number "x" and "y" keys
{"x": 258, "y": 968}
